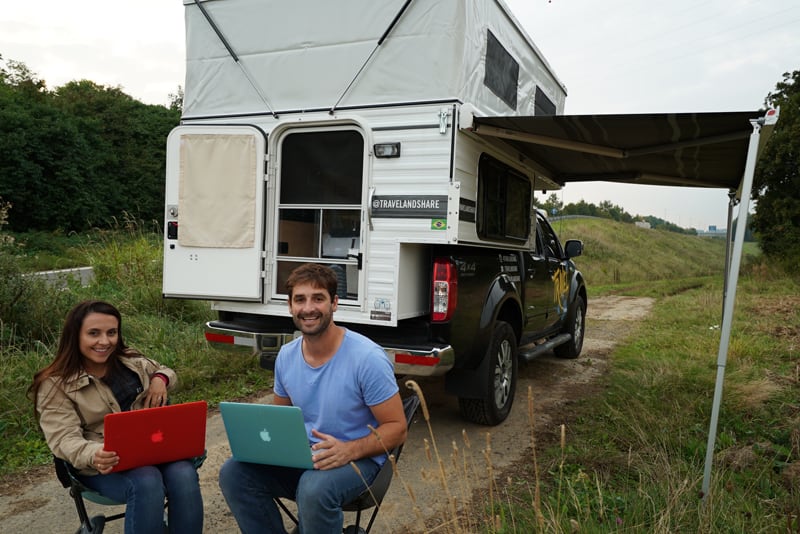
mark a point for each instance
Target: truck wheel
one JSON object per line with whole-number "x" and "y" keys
{"x": 500, "y": 380}
{"x": 576, "y": 327}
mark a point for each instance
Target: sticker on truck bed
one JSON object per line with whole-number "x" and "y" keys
{"x": 381, "y": 310}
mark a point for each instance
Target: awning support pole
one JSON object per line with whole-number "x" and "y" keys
{"x": 730, "y": 297}
{"x": 728, "y": 243}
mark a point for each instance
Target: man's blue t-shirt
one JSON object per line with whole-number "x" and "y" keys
{"x": 335, "y": 397}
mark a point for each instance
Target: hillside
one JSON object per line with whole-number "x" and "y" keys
{"x": 621, "y": 253}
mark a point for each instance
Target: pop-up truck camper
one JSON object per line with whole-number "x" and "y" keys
{"x": 349, "y": 134}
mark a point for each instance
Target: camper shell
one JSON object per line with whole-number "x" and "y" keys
{"x": 329, "y": 132}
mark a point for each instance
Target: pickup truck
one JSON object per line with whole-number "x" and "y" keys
{"x": 511, "y": 305}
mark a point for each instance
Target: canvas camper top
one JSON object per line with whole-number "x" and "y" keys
{"x": 249, "y": 57}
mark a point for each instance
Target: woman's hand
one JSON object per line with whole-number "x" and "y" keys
{"x": 104, "y": 461}
{"x": 156, "y": 393}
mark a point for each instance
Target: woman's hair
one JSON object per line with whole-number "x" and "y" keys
{"x": 315, "y": 274}
{"x": 68, "y": 359}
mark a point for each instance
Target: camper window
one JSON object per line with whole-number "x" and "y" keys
{"x": 322, "y": 167}
{"x": 542, "y": 104}
{"x": 504, "y": 201}
{"x": 502, "y": 71}
{"x": 319, "y": 233}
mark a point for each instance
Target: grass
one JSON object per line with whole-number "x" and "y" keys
{"x": 44, "y": 251}
{"x": 618, "y": 255}
{"x": 629, "y": 458}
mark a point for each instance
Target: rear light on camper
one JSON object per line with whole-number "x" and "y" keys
{"x": 444, "y": 290}
{"x": 386, "y": 150}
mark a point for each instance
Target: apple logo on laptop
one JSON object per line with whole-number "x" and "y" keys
{"x": 265, "y": 435}
{"x": 157, "y": 437}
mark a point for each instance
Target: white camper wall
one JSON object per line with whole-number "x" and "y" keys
{"x": 297, "y": 56}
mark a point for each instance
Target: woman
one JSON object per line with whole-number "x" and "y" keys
{"x": 93, "y": 374}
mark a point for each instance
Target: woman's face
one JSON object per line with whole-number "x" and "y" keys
{"x": 99, "y": 335}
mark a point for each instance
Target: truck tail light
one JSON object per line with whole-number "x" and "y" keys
{"x": 219, "y": 338}
{"x": 444, "y": 291}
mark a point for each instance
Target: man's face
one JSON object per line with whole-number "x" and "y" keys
{"x": 312, "y": 309}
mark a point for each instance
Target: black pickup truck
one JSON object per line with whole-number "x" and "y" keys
{"x": 507, "y": 305}
{"x": 512, "y": 305}
{"x": 490, "y": 308}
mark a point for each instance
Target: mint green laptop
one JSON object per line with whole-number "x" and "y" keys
{"x": 267, "y": 434}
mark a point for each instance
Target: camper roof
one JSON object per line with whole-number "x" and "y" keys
{"x": 249, "y": 56}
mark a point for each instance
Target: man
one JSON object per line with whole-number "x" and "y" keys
{"x": 344, "y": 384}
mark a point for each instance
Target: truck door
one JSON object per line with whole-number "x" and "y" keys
{"x": 538, "y": 287}
{"x": 558, "y": 285}
{"x": 319, "y": 216}
{"x": 214, "y": 229}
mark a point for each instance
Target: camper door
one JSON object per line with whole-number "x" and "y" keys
{"x": 319, "y": 212}
{"x": 214, "y": 228}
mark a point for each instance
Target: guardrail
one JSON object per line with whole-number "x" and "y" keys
{"x": 61, "y": 277}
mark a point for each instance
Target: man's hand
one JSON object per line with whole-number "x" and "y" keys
{"x": 330, "y": 452}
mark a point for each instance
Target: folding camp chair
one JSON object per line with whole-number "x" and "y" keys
{"x": 67, "y": 475}
{"x": 372, "y": 496}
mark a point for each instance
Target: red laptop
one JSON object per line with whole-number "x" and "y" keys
{"x": 153, "y": 436}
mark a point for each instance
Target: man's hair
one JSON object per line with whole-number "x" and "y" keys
{"x": 315, "y": 274}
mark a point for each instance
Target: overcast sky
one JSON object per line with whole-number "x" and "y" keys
{"x": 614, "y": 56}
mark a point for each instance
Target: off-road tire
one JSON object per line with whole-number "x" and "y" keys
{"x": 576, "y": 327}
{"x": 500, "y": 380}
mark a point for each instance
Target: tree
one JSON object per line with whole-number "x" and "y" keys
{"x": 552, "y": 205}
{"x": 776, "y": 184}
{"x": 41, "y": 154}
{"x": 79, "y": 155}
{"x": 176, "y": 100}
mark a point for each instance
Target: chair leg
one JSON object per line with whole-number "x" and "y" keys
{"x": 286, "y": 510}
{"x": 357, "y": 528}
{"x": 372, "y": 518}
{"x": 93, "y": 525}
{"x": 89, "y": 525}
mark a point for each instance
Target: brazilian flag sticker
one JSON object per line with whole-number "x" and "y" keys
{"x": 438, "y": 224}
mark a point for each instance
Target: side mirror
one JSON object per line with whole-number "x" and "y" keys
{"x": 573, "y": 248}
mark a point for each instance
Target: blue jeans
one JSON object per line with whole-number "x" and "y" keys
{"x": 143, "y": 491}
{"x": 249, "y": 490}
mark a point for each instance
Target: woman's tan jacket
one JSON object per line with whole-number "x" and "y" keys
{"x": 71, "y": 410}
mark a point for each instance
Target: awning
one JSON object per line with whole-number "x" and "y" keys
{"x": 678, "y": 149}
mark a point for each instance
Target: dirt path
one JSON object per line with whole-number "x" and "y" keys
{"x": 36, "y": 502}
